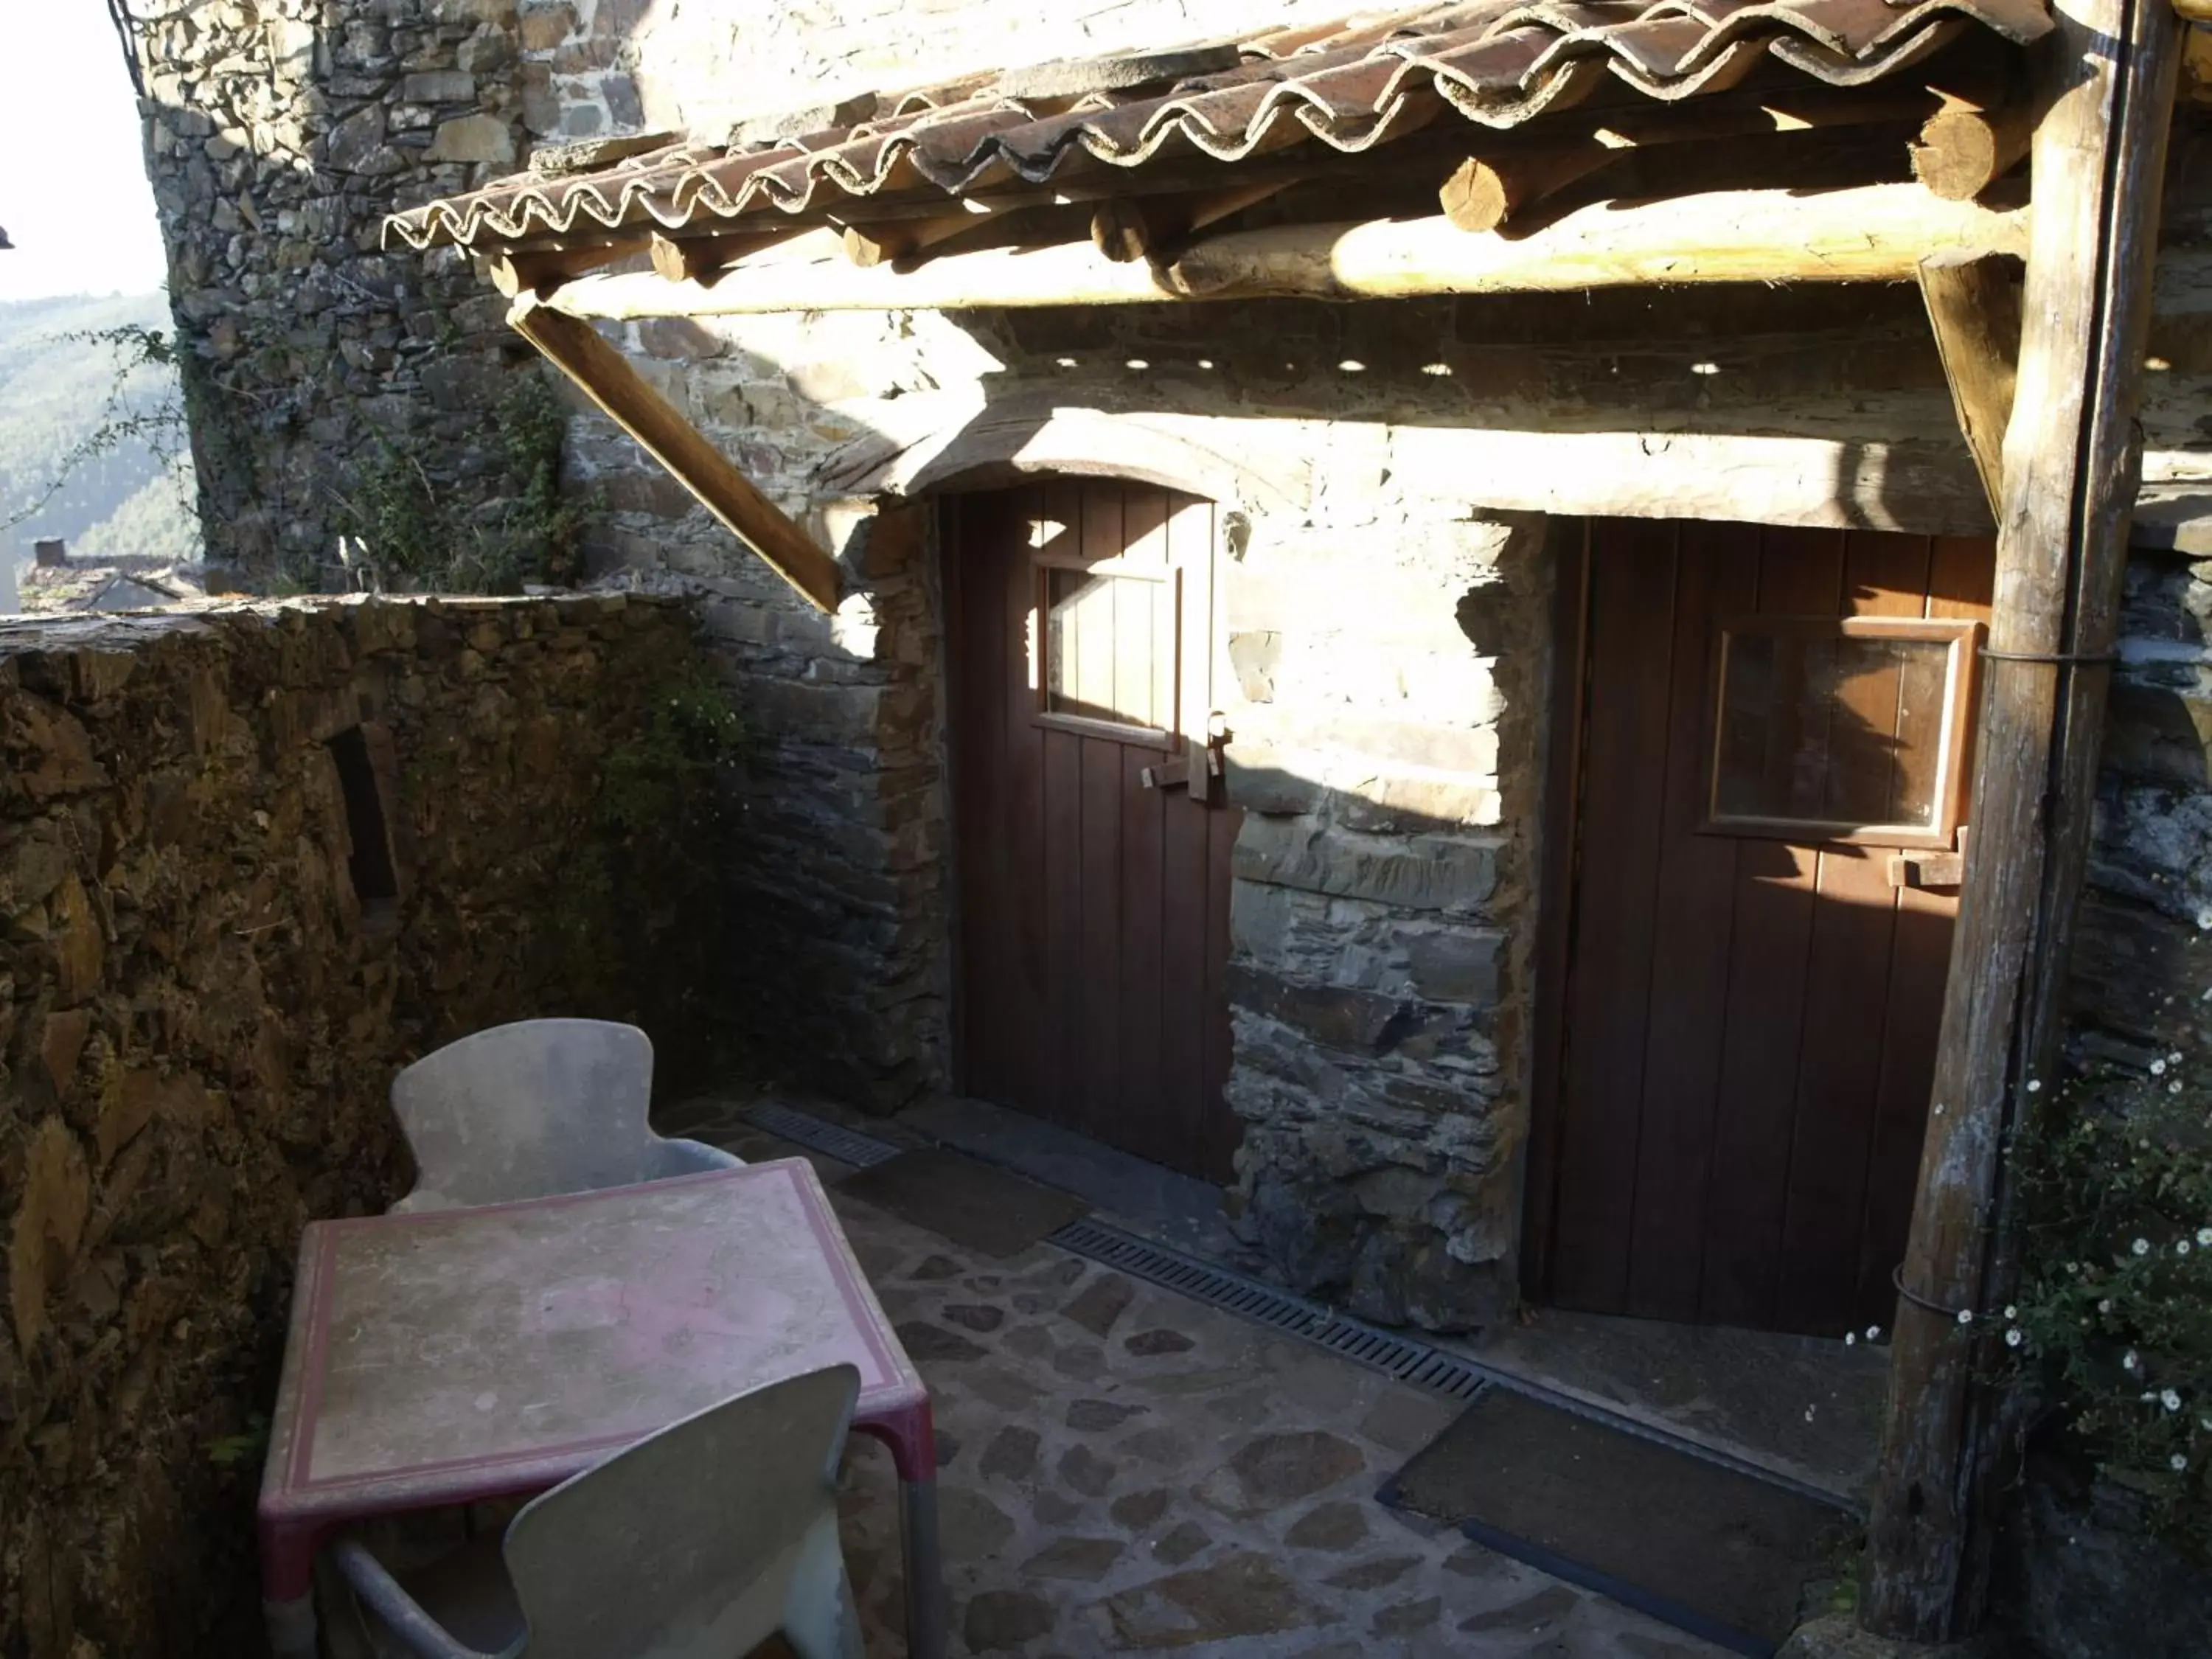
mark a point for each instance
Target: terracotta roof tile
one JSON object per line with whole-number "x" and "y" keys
{"x": 1500, "y": 63}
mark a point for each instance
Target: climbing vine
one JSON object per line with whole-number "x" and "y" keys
{"x": 403, "y": 532}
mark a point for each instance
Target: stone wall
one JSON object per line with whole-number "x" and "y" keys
{"x": 200, "y": 1015}
{"x": 278, "y": 134}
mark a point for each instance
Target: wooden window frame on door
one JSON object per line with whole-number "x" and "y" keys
{"x": 1961, "y": 681}
{"x": 1167, "y": 577}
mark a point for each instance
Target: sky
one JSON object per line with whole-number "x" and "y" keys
{"x": 73, "y": 196}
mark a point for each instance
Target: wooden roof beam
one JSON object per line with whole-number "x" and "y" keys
{"x": 1868, "y": 234}
{"x": 608, "y": 378}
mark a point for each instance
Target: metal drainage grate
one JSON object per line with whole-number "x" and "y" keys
{"x": 1400, "y": 1357}
{"x": 1404, "y": 1358}
{"x": 830, "y": 1139}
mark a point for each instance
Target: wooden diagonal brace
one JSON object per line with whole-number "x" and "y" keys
{"x": 1975, "y": 312}
{"x": 607, "y": 377}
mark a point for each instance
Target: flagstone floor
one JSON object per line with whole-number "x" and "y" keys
{"x": 1125, "y": 1471}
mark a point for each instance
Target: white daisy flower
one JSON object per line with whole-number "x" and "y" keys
{"x": 2158, "y": 1068}
{"x": 2141, "y": 1247}
{"x": 1965, "y": 1315}
{"x": 2179, "y": 1463}
{"x": 2130, "y": 1362}
{"x": 2181, "y": 1246}
{"x": 2012, "y": 1338}
{"x": 2104, "y": 1306}
{"x": 2204, "y": 1237}
{"x": 1873, "y": 1331}
{"x": 2170, "y": 1399}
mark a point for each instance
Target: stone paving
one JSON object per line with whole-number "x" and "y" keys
{"x": 1127, "y": 1471}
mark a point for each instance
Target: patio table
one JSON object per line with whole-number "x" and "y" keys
{"x": 453, "y": 1356}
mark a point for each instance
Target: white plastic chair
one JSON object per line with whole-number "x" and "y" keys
{"x": 533, "y": 1109}
{"x": 699, "y": 1542}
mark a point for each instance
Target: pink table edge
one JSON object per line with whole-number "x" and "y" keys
{"x": 293, "y": 1511}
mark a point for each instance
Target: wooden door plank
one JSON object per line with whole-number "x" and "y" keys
{"x": 1100, "y": 527}
{"x": 1633, "y": 570}
{"x": 1157, "y": 1123}
{"x": 1847, "y": 1004}
{"x": 1961, "y": 579}
{"x": 1060, "y": 502}
{"x": 1839, "y": 1072}
{"x": 1920, "y": 961}
{"x": 1693, "y": 939}
{"x": 1801, "y": 574}
{"x": 1026, "y": 959}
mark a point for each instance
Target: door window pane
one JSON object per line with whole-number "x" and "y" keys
{"x": 1109, "y": 646}
{"x": 1844, "y": 727}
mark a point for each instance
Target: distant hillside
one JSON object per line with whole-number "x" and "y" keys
{"x": 55, "y": 394}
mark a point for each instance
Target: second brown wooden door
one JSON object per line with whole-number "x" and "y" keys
{"x": 1772, "y": 740}
{"x": 1094, "y": 879}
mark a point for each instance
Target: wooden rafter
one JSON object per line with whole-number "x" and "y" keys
{"x": 607, "y": 377}
{"x": 1870, "y": 233}
{"x": 1975, "y": 313}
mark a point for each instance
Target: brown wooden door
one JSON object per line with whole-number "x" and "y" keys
{"x": 1093, "y": 904}
{"x": 1730, "y": 1124}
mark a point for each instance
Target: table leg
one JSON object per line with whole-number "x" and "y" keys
{"x": 291, "y": 1627}
{"x": 925, "y": 1569}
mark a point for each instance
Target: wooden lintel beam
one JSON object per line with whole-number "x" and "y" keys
{"x": 607, "y": 377}
{"x": 1866, "y": 233}
{"x": 1974, "y": 312}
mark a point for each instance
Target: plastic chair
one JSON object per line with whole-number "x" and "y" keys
{"x": 699, "y": 1542}
{"x": 533, "y": 1109}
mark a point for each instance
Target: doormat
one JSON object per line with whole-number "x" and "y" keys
{"x": 978, "y": 1206}
{"x": 1724, "y": 1555}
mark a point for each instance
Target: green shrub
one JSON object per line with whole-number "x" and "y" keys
{"x": 2115, "y": 1309}
{"x": 411, "y": 536}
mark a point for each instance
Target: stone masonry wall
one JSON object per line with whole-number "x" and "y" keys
{"x": 278, "y": 134}
{"x": 200, "y": 1019}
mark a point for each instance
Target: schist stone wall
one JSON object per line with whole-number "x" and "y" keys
{"x": 278, "y": 133}
{"x": 204, "y": 999}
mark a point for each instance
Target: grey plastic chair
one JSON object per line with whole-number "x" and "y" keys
{"x": 699, "y": 1542}
{"x": 533, "y": 1109}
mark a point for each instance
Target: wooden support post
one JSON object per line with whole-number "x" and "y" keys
{"x": 607, "y": 377}
{"x": 1975, "y": 314}
{"x": 2070, "y": 470}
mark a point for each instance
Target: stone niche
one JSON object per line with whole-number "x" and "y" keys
{"x": 251, "y": 860}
